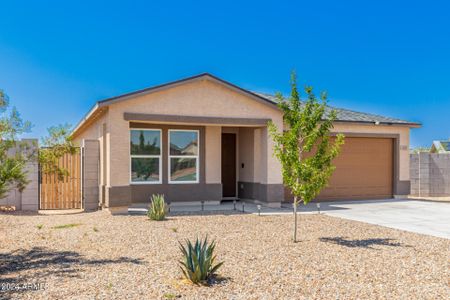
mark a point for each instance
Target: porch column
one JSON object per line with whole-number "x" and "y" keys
{"x": 271, "y": 188}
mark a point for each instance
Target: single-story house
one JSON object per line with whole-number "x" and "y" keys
{"x": 205, "y": 139}
{"x": 440, "y": 147}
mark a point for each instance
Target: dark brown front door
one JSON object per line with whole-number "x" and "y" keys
{"x": 228, "y": 165}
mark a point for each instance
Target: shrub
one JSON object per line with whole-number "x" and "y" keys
{"x": 198, "y": 260}
{"x": 157, "y": 208}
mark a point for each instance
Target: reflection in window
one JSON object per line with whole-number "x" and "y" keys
{"x": 183, "y": 142}
{"x": 145, "y": 142}
{"x": 183, "y": 156}
{"x": 144, "y": 169}
{"x": 145, "y": 153}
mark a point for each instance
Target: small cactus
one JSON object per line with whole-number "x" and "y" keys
{"x": 198, "y": 260}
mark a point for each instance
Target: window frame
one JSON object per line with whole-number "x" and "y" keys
{"x": 197, "y": 158}
{"x": 147, "y": 156}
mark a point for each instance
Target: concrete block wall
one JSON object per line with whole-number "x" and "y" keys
{"x": 28, "y": 199}
{"x": 430, "y": 174}
{"x": 30, "y": 195}
{"x": 91, "y": 174}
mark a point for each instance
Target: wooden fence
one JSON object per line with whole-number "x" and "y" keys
{"x": 66, "y": 193}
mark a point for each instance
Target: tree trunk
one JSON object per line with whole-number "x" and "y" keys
{"x": 295, "y": 219}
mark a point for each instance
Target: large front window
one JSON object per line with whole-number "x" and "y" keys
{"x": 183, "y": 156}
{"x": 145, "y": 153}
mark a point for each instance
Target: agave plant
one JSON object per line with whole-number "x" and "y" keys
{"x": 157, "y": 209}
{"x": 198, "y": 260}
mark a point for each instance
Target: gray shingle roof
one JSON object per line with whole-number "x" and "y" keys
{"x": 346, "y": 115}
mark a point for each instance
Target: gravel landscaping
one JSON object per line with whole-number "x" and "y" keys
{"x": 99, "y": 256}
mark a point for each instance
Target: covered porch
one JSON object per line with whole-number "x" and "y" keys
{"x": 234, "y": 161}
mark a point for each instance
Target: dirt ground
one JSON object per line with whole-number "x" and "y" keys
{"x": 99, "y": 256}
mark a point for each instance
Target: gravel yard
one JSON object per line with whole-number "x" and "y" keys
{"x": 96, "y": 255}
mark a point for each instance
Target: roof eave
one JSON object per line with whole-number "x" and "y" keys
{"x": 408, "y": 124}
{"x": 86, "y": 117}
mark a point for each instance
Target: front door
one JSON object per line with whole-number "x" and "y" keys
{"x": 228, "y": 165}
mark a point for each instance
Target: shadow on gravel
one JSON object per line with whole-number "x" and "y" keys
{"x": 45, "y": 262}
{"x": 38, "y": 263}
{"x": 366, "y": 243}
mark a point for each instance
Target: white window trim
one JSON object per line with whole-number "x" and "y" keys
{"x": 197, "y": 157}
{"x": 147, "y": 156}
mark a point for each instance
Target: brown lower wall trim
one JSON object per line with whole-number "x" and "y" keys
{"x": 263, "y": 192}
{"x": 117, "y": 196}
{"x": 177, "y": 192}
{"x": 248, "y": 190}
{"x": 126, "y": 195}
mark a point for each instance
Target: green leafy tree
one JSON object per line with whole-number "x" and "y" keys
{"x": 304, "y": 148}
{"x": 55, "y": 145}
{"x": 13, "y": 154}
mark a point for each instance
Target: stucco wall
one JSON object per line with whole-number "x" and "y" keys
{"x": 246, "y": 155}
{"x": 200, "y": 98}
{"x": 213, "y": 142}
{"x": 98, "y": 130}
{"x": 93, "y": 131}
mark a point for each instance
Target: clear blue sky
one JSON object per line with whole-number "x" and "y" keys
{"x": 386, "y": 57}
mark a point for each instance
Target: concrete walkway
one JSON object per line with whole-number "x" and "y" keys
{"x": 423, "y": 217}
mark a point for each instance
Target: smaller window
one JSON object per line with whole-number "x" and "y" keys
{"x": 145, "y": 156}
{"x": 183, "y": 156}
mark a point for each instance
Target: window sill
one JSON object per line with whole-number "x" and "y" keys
{"x": 145, "y": 183}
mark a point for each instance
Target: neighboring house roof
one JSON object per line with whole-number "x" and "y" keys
{"x": 344, "y": 115}
{"x": 440, "y": 147}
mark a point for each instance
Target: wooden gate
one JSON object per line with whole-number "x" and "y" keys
{"x": 66, "y": 193}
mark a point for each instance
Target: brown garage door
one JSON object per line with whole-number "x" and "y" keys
{"x": 364, "y": 170}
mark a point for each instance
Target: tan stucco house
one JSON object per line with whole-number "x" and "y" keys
{"x": 205, "y": 139}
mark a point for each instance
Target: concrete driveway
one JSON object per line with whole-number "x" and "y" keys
{"x": 432, "y": 218}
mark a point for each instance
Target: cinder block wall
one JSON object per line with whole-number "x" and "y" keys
{"x": 91, "y": 169}
{"x": 29, "y": 198}
{"x": 430, "y": 174}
